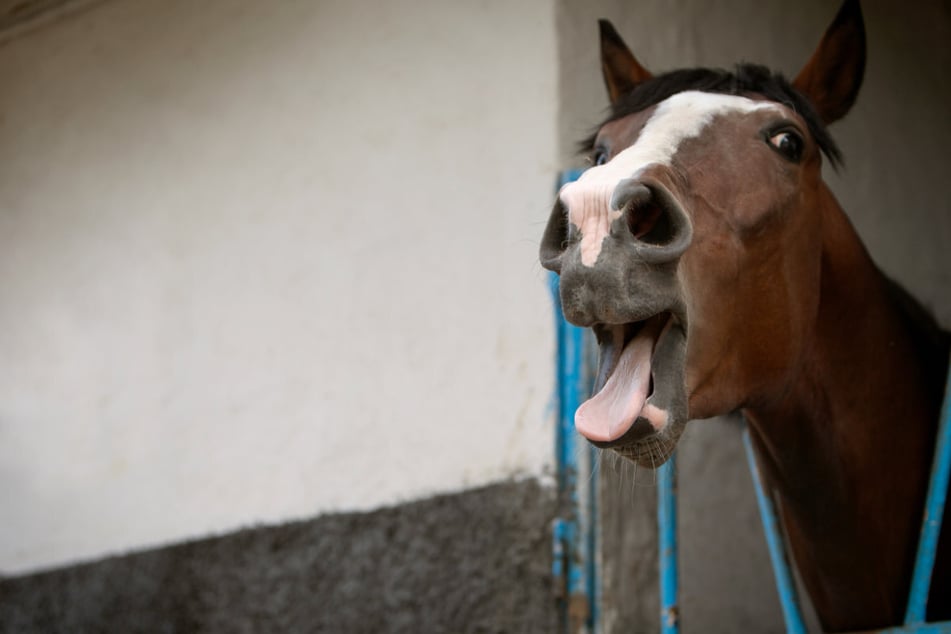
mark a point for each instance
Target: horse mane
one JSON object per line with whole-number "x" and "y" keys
{"x": 745, "y": 80}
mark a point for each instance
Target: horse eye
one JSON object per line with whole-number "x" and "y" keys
{"x": 789, "y": 144}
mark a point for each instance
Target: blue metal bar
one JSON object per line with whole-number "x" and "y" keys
{"x": 591, "y": 529}
{"x": 575, "y": 563}
{"x": 572, "y": 399}
{"x": 667, "y": 529}
{"x": 568, "y": 566}
{"x": 581, "y": 381}
{"x": 788, "y": 598}
{"x": 560, "y": 538}
{"x": 934, "y": 510}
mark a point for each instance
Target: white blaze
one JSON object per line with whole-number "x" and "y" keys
{"x": 676, "y": 119}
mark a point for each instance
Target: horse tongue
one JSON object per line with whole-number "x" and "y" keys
{"x": 608, "y": 415}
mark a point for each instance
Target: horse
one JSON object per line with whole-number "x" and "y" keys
{"x": 719, "y": 274}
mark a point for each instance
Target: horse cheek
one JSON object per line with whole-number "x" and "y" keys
{"x": 708, "y": 275}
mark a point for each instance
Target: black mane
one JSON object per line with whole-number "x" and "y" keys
{"x": 747, "y": 79}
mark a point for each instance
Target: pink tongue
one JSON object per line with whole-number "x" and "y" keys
{"x": 607, "y": 415}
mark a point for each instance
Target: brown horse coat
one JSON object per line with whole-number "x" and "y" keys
{"x": 719, "y": 273}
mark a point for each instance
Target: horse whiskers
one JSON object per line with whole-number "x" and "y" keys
{"x": 593, "y": 465}
{"x": 650, "y": 452}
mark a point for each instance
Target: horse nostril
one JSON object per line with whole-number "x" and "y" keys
{"x": 661, "y": 229}
{"x": 630, "y": 192}
{"x": 645, "y": 217}
{"x": 649, "y": 224}
{"x": 555, "y": 239}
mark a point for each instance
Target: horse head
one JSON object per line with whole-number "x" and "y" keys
{"x": 693, "y": 244}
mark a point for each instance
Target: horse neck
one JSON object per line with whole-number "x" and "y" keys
{"x": 847, "y": 444}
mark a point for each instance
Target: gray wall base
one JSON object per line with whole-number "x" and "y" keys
{"x": 476, "y": 561}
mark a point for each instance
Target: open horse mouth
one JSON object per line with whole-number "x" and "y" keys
{"x": 638, "y": 406}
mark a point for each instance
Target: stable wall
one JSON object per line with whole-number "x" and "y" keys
{"x": 262, "y": 261}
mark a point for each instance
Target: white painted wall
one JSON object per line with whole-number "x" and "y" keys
{"x": 264, "y": 260}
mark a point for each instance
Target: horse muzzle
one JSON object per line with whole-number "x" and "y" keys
{"x": 617, "y": 250}
{"x": 616, "y": 253}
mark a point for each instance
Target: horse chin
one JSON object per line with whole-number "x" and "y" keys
{"x": 655, "y": 450}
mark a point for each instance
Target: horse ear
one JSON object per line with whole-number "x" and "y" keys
{"x": 622, "y": 72}
{"x": 833, "y": 75}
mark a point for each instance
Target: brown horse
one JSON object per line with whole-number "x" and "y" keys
{"x": 719, "y": 273}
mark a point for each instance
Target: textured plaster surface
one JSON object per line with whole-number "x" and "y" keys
{"x": 476, "y": 561}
